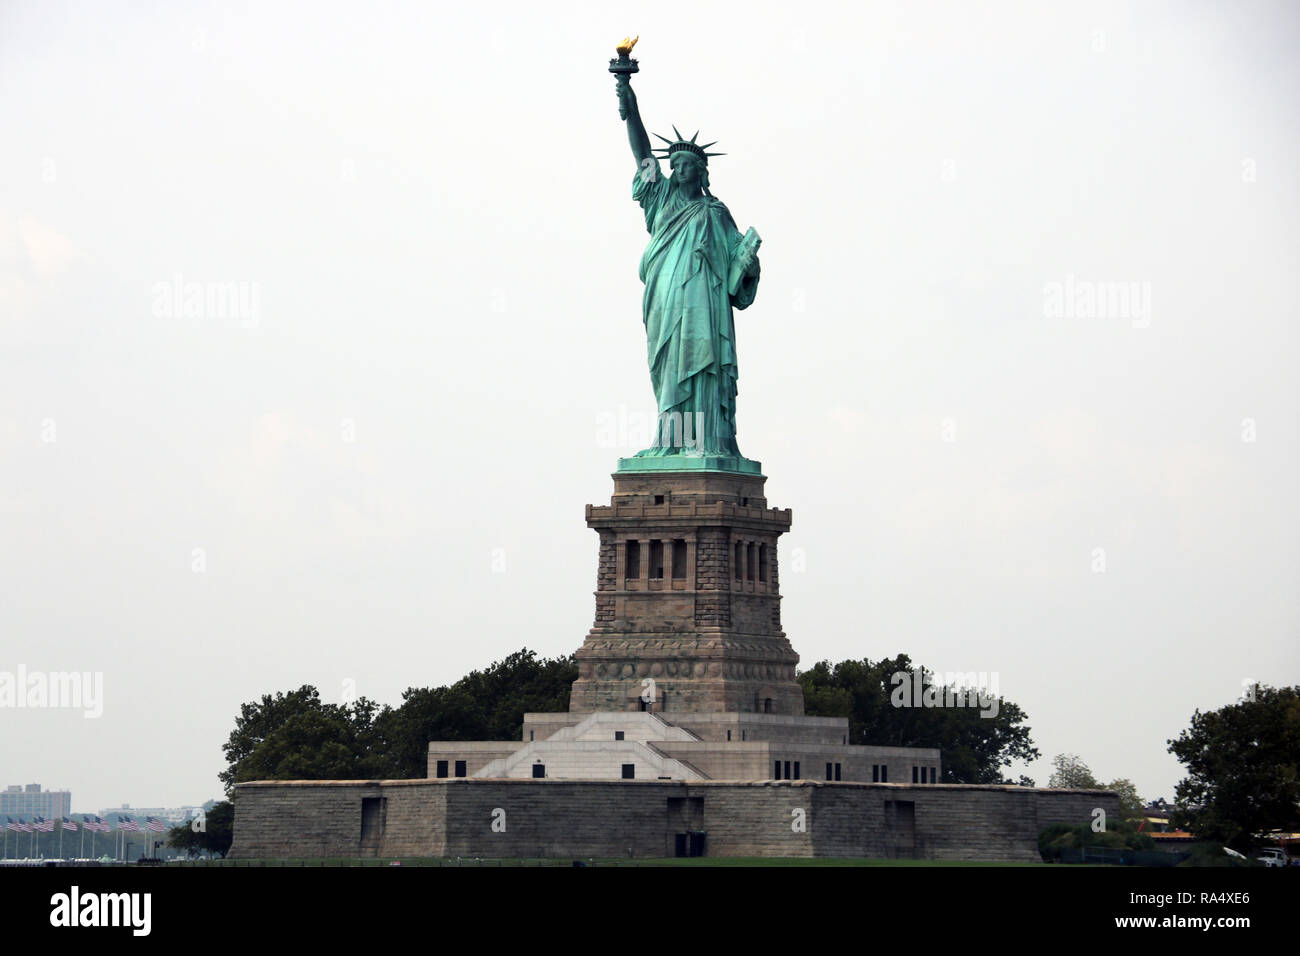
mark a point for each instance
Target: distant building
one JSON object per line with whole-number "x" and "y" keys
{"x": 32, "y": 801}
{"x": 1155, "y": 823}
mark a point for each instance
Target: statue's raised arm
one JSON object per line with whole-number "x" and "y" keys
{"x": 623, "y": 67}
{"x": 637, "y": 137}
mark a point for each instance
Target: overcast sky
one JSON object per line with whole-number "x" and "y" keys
{"x": 371, "y": 464}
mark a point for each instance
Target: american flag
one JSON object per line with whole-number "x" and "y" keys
{"x": 155, "y": 826}
{"x": 126, "y": 823}
{"x": 45, "y": 826}
{"x": 68, "y": 824}
{"x": 102, "y": 825}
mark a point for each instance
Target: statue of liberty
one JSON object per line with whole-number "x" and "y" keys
{"x": 696, "y": 268}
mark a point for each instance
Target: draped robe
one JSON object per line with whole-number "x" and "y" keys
{"x": 690, "y": 334}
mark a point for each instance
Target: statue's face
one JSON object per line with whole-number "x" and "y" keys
{"x": 687, "y": 170}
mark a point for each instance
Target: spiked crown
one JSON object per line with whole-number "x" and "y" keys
{"x": 682, "y": 145}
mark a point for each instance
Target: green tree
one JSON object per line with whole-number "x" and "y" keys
{"x": 1059, "y": 839}
{"x": 295, "y": 736}
{"x": 1069, "y": 772}
{"x": 183, "y": 837}
{"x": 1243, "y": 768}
{"x": 426, "y": 713}
{"x": 483, "y": 705}
{"x": 517, "y": 685}
{"x": 220, "y": 830}
{"x": 217, "y": 835}
{"x": 1131, "y": 806}
{"x": 975, "y": 747}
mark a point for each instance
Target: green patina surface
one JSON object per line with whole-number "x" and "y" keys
{"x": 730, "y": 464}
{"x": 698, "y": 270}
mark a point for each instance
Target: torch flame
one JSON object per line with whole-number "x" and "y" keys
{"x": 624, "y": 48}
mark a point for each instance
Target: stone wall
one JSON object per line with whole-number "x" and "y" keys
{"x": 323, "y": 818}
{"x": 560, "y": 818}
{"x": 555, "y": 818}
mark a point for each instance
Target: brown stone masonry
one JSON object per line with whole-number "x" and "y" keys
{"x": 687, "y": 599}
